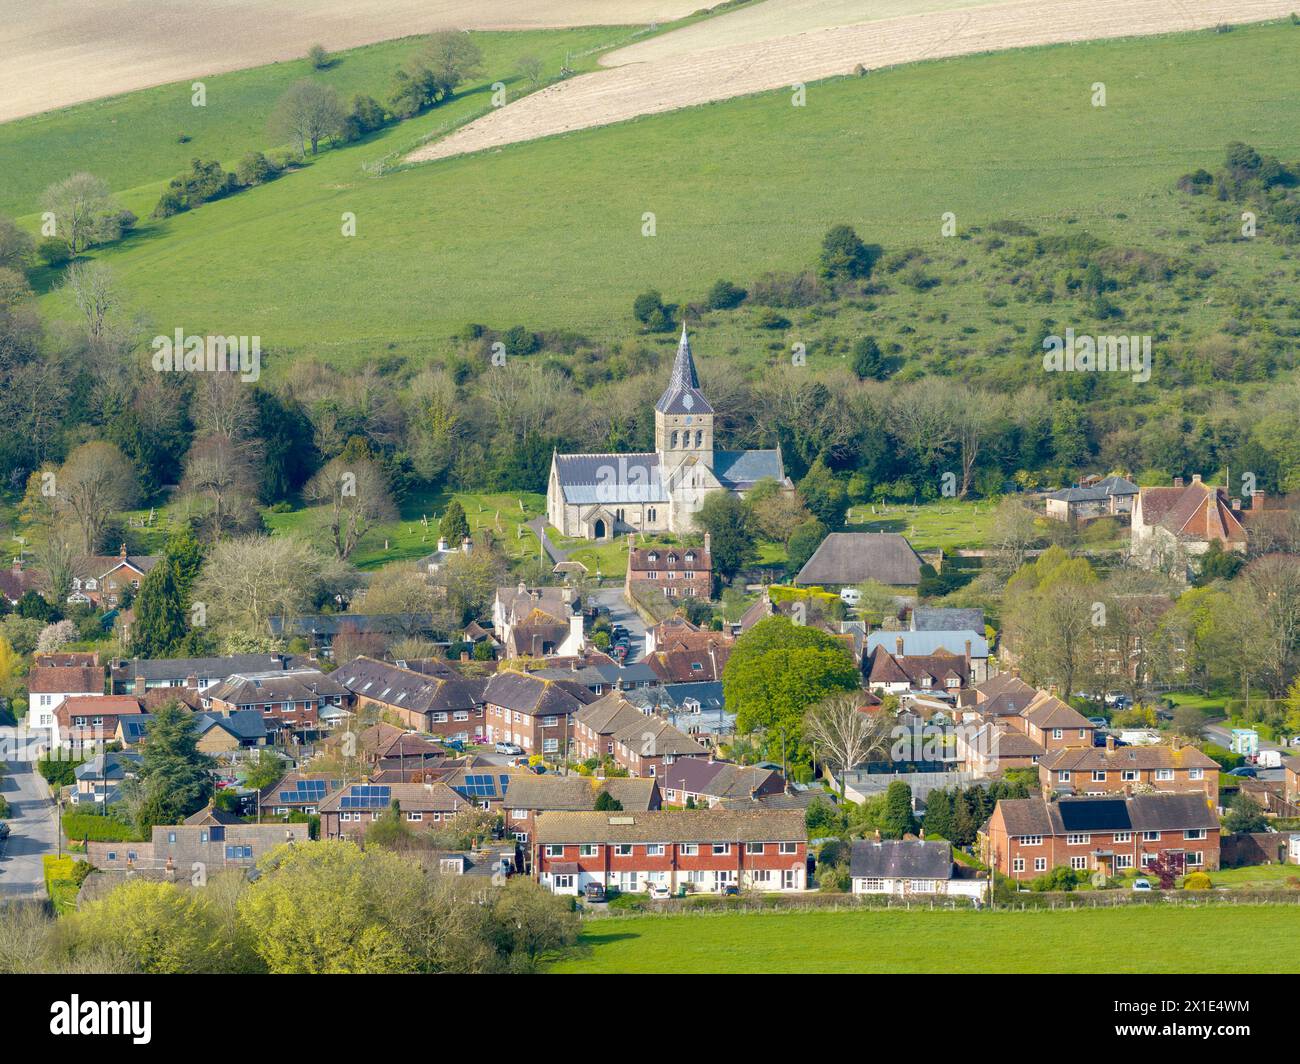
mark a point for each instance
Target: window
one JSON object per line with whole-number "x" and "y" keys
{"x": 1098, "y": 776}
{"x": 923, "y": 886}
{"x": 1196, "y": 773}
{"x": 1078, "y": 840}
{"x": 1079, "y": 864}
{"x": 239, "y": 853}
{"x": 1123, "y": 860}
{"x": 1057, "y": 733}
{"x": 414, "y": 817}
{"x": 1123, "y": 836}
{"x": 588, "y": 849}
{"x": 721, "y": 849}
{"x": 1129, "y": 775}
{"x": 1064, "y": 775}
{"x": 562, "y": 882}
{"x": 462, "y": 714}
{"x": 1017, "y": 865}
{"x": 761, "y": 875}
{"x": 654, "y": 849}
{"x": 787, "y": 848}
{"x": 689, "y": 849}
{"x": 623, "y": 849}
{"x": 1196, "y": 858}
{"x": 554, "y": 851}
{"x": 754, "y": 847}
{"x": 1164, "y": 773}
{"x": 1194, "y": 834}
{"x": 1031, "y": 840}
{"x": 1040, "y": 864}
{"x": 1150, "y": 836}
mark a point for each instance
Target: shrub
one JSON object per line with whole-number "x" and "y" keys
{"x": 53, "y": 252}
{"x": 96, "y": 828}
{"x": 318, "y": 57}
{"x": 254, "y": 168}
{"x": 724, "y": 295}
{"x": 770, "y": 319}
{"x": 1197, "y": 881}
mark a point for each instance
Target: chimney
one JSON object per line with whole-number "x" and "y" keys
{"x": 1178, "y": 482}
{"x": 464, "y": 655}
{"x": 1177, "y": 742}
{"x": 192, "y": 682}
{"x": 442, "y": 544}
{"x": 122, "y": 552}
{"x": 575, "y": 630}
{"x": 522, "y": 589}
{"x": 1110, "y": 744}
{"x": 707, "y": 541}
{"x": 139, "y": 686}
{"x": 1196, "y": 478}
{"x": 170, "y": 868}
{"x": 1236, "y": 504}
{"x": 898, "y": 645}
{"x": 1257, "y": 500}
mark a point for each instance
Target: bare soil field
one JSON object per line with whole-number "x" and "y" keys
{"x": 672, "y": 75}
{"x": 54, "y": 53}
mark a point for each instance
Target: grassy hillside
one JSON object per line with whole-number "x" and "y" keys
{"x": 548, "y": 234}
{"x": 1145, "y": 939}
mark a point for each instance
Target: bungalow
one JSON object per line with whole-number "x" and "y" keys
{"x": 707, "y": 783}
{"x": 910, "y": 867}
{"x": 531, "y": 795}
{"x": 1126, "y": 769}
{"x": 448, "y": 706}
{"x": 847, "y": 558}
{"x": 704, "y": 850}
{"x": 538, "y": 622}
{"x": 297, "y": 792}
{"x": 1026, "y": 837}
{"x": 349, "y": 811}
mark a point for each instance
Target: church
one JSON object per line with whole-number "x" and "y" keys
{"x": 598, "y": 496}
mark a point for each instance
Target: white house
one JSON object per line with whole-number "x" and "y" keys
{"x": 57, "y": 677}
{"x": 910, "y": 867}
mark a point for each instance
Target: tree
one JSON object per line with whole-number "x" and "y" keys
{"x": 804, "y": 543}
{"x": 96, "y": 481}
{"x": 55, "y": 637}
{"x": 454, "y": 527}
{"x": 825, "y": 494}
{"x": 606, "y": 802}
{"x": 868, "y": 362}
{"x": 532, "y": 922}
{"x": 648, "y": 308}
{"x": 530, "y": 67}
{"x": 775, "y": 672}
{"x": 355, "y": 490}
{"x": 318, "y": 57}
{"x": 451, "y": 57}
{"x": 844, "y": 255}
{"x": 840, "y": 728}
{"x": 1013, "y": 533}
{"x": 1245, "y": 816}
{"x": 175, "y": 776}
{"x": 724, "y": 295}
{"x": 899, "y": 820}
{"x": 84, "y": 210}
{"x": 267, "y": 768}
{"x": 160, "y": 622}
{"x": 308, "y": 112}
{"x": 731, "y": 541}
{"x": 16, "y": 246}
{"x": 220, "y": 482}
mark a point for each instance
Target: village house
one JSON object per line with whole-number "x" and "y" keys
{"x": 297, "y": 792}
{"x": 969, "y": 645}
{"x": 671, "y": 572}
{"x": 215, "y": 841}
{"x": 680, "y": 652}
{"x": 531, "y": 795}
{"x": 991, "y": 749}
{"x": 288, "y": 702}
{"x": 906, "y": 867}
{"x": 349, "y": 811}
{"x": 1053, "y": 724}
{"x": 90, "y": 719}
{"x": 1129, "y": 770}
{"x": 1291, "y": 779}
{"x": 600, "y": 674}
{"x": 1026, "y": 837}
{"x": 1003, "y": 695}
{"x": 99, "y": 780}
{"x": 534, "y": 714}
{"x": 138, "y": 676}
{"x": 705, "y": 783}
{"x": 897, "y": 674}
{"x": 539, "y": 622}
{"x": 485, "y": 785}
{"x": 598, "y": 496}
{"x": 16, "y": 581}
{"x": 226, "y": 733}
{"x": 703, "y": 851}
{"x": 55, "y": 677}
{"x": 448, "y": 706}
{"x": 1092, "y": 498}
{"x": 698, "y": 709}
{"x": 1173, "y": 527}
{"x": 644, "y": 745}
{"x": 103, "y": 580}
{"x": 845, "y": 559}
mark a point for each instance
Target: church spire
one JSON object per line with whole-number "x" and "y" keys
{"x": 683, "y": 392}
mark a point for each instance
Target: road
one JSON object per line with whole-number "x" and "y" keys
{"x": 33, "y": 831}
{"x": 1223, "y": 736}
{"x": 621, "y": 613}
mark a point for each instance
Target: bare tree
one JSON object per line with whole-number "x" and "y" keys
{"x": 530, "y": 67}
{"x": 355, "y": 492}
{"x": 847, "y": 734}
{"x": 308, "y": 112}
{"x": 219, "y": 473}
{"x": 96, "y": 481}
{"x": 84, "y": 211}
{"x": 1013, "y": 533}
{"x": 91, "y": 284}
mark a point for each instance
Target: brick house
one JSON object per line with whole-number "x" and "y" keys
{"x": 91, "y": 719}
{"x": 1026, "y": 837}
{"x": 213, "y": 841}
{"x": 680, "y": 652}
{"x": 1291, "y": 779}
{"x": 297, "y": 792}
{"x": 708, "y": 783}
{"x": 103, "y": 580}
{"x": 533, "y": 713}
{"x": 643, "y": 744}
{"x": 350, "y": 810}
{"x": 1126, "y": 769}
{"x": 1053, "y": 724}
{"x": 704, "y": 850}
{"x": 286, "y": 701}
{"x": 672, "y": 572}
{"x": 538, "y": 622}
{"x": 448, "y": 706}
{"x": 994, "y": 748}
{"x": 1173, "y": 527}
{"x": 890, "y": 673}
{"x": 531, "y": 795}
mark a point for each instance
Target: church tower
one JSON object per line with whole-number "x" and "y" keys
{"x": 683, "y": 417}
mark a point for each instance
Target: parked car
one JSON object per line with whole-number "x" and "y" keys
{"x": 1244, "y": 770}
{"x": 455, "y": 744}
{"x": 660, "y": 891}
{"x": 850, "y": 596}
{"x": 594, "y": 893}
{"x": 508, "y": 748}
{"x": 730, "y": 891}
{"x": 1141, "y": 884}
{"x": 1098, "y": 722}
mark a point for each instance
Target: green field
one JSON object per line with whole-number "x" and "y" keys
{"x": 1139, "y": 939}
{"x": 951, "y": 524}
{"x": 548, "y": 234}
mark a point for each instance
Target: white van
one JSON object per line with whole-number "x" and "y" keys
{"x": 850, "y": 596}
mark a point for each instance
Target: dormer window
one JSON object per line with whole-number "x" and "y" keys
{"x": 654, "y": 556}
{"x": 690, "y": 557}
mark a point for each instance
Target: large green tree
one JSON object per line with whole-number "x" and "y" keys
{"x": 175, "y": 776}
{"x": 159, "y": 613}
{"x": 731, "y": 539}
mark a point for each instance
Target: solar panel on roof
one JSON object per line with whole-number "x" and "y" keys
{"x": 1090, "y": 814}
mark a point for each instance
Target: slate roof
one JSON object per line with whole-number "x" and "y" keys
{"x": 1090, "y": 758}
{"x": 246, "y": 725}
{"x": 107, "y": 766}
{"x": 204, "y": 669}
{"x": 609, "y": 479}
{"x": 683, "y": 395}
{"x": 944, "y": 619}
{"x": 1143, "y": 812}
{"x": 271, "y": 796}
{"x": 900, "y": 859}
{"x": 741, "y": 470}
{"x": 527, "y": 694}
{"x": 855, "y": 557}
{"x": 134, "y": 727}
{"x": 406, "y": 689}
{"x": 690, "y": 825}
{"x": 254, "y": 689}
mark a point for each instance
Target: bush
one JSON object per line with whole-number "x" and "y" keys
{"x": 254, "y": 168}
{"x": 318, "y": 57}
{"x": 53, "y": 252}
{"x": 1059, "y": 878}
{"x": 1197, "y": 881}
{"x": 724, "y": 295}
{"x": 96, "y": 828}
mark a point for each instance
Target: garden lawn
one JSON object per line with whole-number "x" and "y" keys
{"x": 1139, "y": 939}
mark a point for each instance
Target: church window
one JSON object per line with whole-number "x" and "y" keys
{"x": 699, "y": 437}
{"x": 674, "y": 438}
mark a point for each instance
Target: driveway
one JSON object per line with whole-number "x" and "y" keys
{"x": 621, "y": 613}
{"x": 33, "y": 831}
